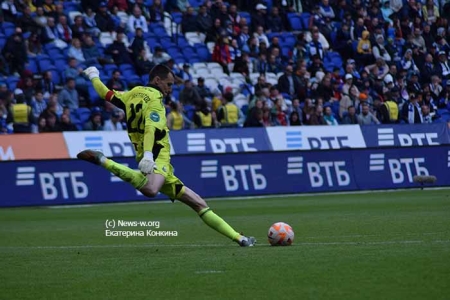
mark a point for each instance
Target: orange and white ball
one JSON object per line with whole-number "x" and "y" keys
{"x": 280, "y": 234}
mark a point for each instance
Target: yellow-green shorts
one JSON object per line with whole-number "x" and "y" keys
{"x": 173, "y": 187}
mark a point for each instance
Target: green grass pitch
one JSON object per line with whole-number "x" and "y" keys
{"x": 390, "y": 245}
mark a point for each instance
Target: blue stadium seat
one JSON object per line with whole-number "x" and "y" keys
{"x": 95, "y": 99}
{"x": 246, "y": 15}
{"x": 188, "y": 51}
{"x": 8, "y": 31}
{"x": 203, "y": 53}
{"x": 2, "y": 42}
{"x": 109, "y": 68}
{"x": 32, "y": 66}
{"x": 145, "y": 78}
{"x": 126, "y": 67}
{"x": 289, "y": 40}
{"x": 83, "y": 114}
{"x": 195, "y": 3}
{"x": 12, "y": 82}
{"x": 285, "y": 51}
{"x": 70, "y": 6}
{"x": 133, "y": 79}
{"x": 305, "y": 20}
{"x": 177, "y": 17}
{"x": 295, "y": 22}
{"x": 193, "y": 59}
{"x": 44, "y": 64}
{"x": 161, "y": 32}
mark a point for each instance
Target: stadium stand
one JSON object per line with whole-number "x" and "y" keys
{"x": 296, "y": 62}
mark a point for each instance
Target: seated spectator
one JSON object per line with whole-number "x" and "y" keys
{"x": 350, "y": 117}
{"x": 33, "y": 45}
{"x": 121, "y": 5}
{"x": 26, "y": 21}
{"x": 137, "y": 20}
{"x": 91, "y": 52}
{"x": 40, "y": 18}
{"x": 279, "y": 117}
{"x": 90, "y": 22}
{"x": 328, "y": 116}
{"x": 66, "y": 124}
{"x": 316, "y": 118}
{"x": 75, "y": 51}
{"x": 79, "y": 28}
{"x": 68, "y": 97}
{"x": 255, "y": 117}
{"x": 366, "y": 117}
{"x": 294, "y": 119}
{"x": 189, "y": 95}
{"x": 116, "y": 83}
{"x": 157, "y": 12}
{"x": 64, "y": 31}
{"x": 115, "y": 123}
{"x": 189, "y": 21}
{"x": 119, "y": 52}
{"x": 50, "y": 34}
{"x": 159, "y": 56}
{"x": 52, "y": 124}
{"x": 185, "y": 73}
{"x": 426, "y": 116}
{"x": 38, "y": 104}
{"x": 95, "y": 123}
{"x": 143, "y": 64}
{"x": 175, "y": 119}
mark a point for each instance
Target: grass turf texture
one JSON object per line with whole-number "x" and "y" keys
{"x": 393, "y": 245}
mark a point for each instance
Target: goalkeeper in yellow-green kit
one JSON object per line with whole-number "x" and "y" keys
{"x": 147, "y": 129}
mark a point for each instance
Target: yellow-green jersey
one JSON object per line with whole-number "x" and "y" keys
{"x": 146, "y": 119}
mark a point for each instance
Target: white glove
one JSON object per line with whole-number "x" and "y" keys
{"x": 92, "y": 72}
{"x": 146, "y": 165}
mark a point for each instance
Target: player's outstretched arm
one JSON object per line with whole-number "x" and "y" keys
{"x": 111, "y": 96}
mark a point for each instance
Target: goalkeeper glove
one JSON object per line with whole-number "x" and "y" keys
{"x": 92, "y": 72}
{"x": 146, "y": 165}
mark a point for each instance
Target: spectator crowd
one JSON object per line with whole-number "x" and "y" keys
{"x": 247, "y": 63}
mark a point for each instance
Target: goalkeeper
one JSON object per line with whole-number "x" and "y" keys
{"x": 147, "y": 130}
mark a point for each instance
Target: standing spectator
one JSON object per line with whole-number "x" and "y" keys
{"x": 204, "y": 20}
{"x": 274, "y": 21}
{"x": 137, "y": 20}
{"x": 40, "y": 18}
{"x": 79, "y": 28}
{"x": 159, "y": 56}
{"x": 294, "y": 119}
{"x": 26, "y": 21}
{"x": 15, "y": 52}
{"x": 68, "y": 97}
{"x": 366, "y": 117}
{"x": 203, "y": 118}
{"x": 175, "y": 119}
{"x": 21, "y": 115}
{"x": 259, "y": 18}
{"x": 221, "y": 54}
{"x": 121, "y": 5}
{"x": 46, "y": 84}
{"x": 189, "y": 95}
{"x": 228, "y": 114}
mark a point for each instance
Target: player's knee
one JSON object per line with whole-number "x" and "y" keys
{"x": 149, "y": 191}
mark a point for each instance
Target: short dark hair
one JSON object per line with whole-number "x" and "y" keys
{"x": 160, "y": 71}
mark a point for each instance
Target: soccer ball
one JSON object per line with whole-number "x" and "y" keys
{"x": 280, "y": 234}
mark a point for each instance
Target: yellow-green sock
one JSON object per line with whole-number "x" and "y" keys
{"x": 218, "y": 224}
{"x": 135, "y": 178}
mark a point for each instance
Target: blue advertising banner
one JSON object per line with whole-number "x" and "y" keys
{"x": 405, "y": 135}
{"x": 26, "y": 183}
{"x": 227, "y": 140}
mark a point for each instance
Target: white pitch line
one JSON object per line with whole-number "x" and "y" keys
{"x": 361, "y": 243}
{"x": 166, "y": 201}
